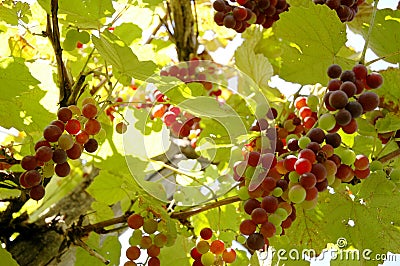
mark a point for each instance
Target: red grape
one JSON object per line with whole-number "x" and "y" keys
{"x": 32, "y": 178}
{"x": 37, "y": 192}
{"x": 92, "y": 126}
{"x": 302, "y": 166}
{"x": 247, "y": 227}
{"x": 217, "y": 247}
{"x": 229, "y": 255}
{"x": 29, "y": 162}
{"x": 133, "y": 253}
{"x": 64, "y": 114}
{"x": 91, "y": 145}
{"x": 206, "y": 233}
{"x": 135, "y": 221}
{"x": 75, "y": 152}
{"x": 62, "y": 169}
{"x": 51, "y": 133}
{"x": 89, "y": 110}
{"x": 73, "y": 126}
{"x": 334, "y": 70}
{"x": 374, "y": 80}
{"x": 44, "y": 154}
{"x": 259, "y": 215}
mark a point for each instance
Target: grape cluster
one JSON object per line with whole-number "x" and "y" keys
{"x": 207, "y": 252}
{"x": 146, "y": 236}
{"x": 347, "y": 99}
{"x": 238, "y": 18}
{"x": 345, "y": 9}
{"x": 64, "y": 139}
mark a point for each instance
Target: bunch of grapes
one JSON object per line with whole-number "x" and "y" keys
{"x": 64, "y": 139}
{"x": 347, "y": 99}
{"x": 238, "y": 18}
{"x": 209, "y": 252}
{"x": 146, "y": 236}
{"x": 345, "y": 9}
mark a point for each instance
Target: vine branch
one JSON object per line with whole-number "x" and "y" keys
{"x": 371, "y": 25}
{"x": 389, "y": 156}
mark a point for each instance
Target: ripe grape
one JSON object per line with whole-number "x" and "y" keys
{"x": 154, "y": 261}
{"x": 338, "y": 99}
{"x": 362, "y": 174}
{"x": 135, "y": 221}
{"x": 316, "y": 135}
{"x": 66, "y": 141}
{"x": 297, "y": 194}
{"x": 82, "y": 137}
{"x": 334, "y": 84}
{"x": 308, "y": 180}
{"x": 74, "y": 109}
{"x": 369, "y": 101}
{"x": 343, "y": 117}
{"x": 311, "y": 193}
{"x": 374, "y": 80}
{"x": 229, "y": 21}
{"x": 333, "y": 4}
{"x": 44, "y": 154}
{"x": 247, "y": 227}
{"x": 334, "y": 70}
{"x": 62, "y": 169}
{"x": 229, "y": 255}
{"x": 75, "y": 152}
{"x": 259, "y": 215}
{"x": 333, "y": 139}
{"x": 349, "y": 88}
{"x": 195, "y": 254}
{"x": 344, "y": 172}
{"x": 360, "y": 71}
{"x": 133, "y": 253}
{"x": 219, "y": 5}
{"x": 22, "y": 180}
{"x": 253, "y": 158}
{"x": 206, "y": 233}
{"x": 293, "y": 145}
{"x": 51, "y": 133}
{"x": 268, "y": 229}
{"x": 269, "y": 203}
{"x": 355, "y": 109}
{"x": 289, "y": 162}
{"x": 348, "y": 75}
{"x": 91, "y": 145}
{"x": 92, "y": 126}
{"x": 32, "y": 178}
{"x": 64, "y": 114}
{"x": 255, "y": 241}
{"x": 89, "y": 110}
{"x": 250, "y": 205}
{"x": 130, "y": 263}
{"x": 153, "y": 251}
{"x": 361, "y": 162}
{"x": 150, "y": 226}
{"x": 37, "y": 192}
{"x": 305, "y": 111}
{"x": 73, "y": 126}
{"x": 59, "y": 156}
{"x": 307, "y": 154}
{"x": 319, "y": 171}
{"x": 160, "y": 240}
{"x": 59, "y": 124}
{"x": 29, "y": 162}
{"x": 217, "y": 247}
{"x": 314, "y": 147}
{"x": 302, "y": 166}
{"x": 323, "y": 185}
{"x": 41, "y": 143}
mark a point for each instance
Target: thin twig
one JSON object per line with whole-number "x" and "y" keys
{"x": 382, "y": 58}
{"x": 91, "y": 251}
{"x": 389, "y": 156}
{"x": 151, "y": 37}
{"x": 99, "y": 227}
{"x": 371, "y": 25}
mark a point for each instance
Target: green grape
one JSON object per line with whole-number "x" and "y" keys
{"x": 277, "y": 192}
{"x": 249, "y": 171}
{"x": 278, "y": 230}
{"x": 243, "y": 193}
{"x": 135, "y": 238}
{"x": 160, "y": 240}
{"x": 203, "y": 247}
{"x": 297, "y": 194}
{"x": 336, "y": 183}
{"x": 303, "y": 142}
{"x": 346, "y": 155}
{"x": 208, "y": 259}
{"x": 66, "y": 141}
{"x": 275, "y": 219}
{"x": 375, "y": 166}
{"x": 48, "y": 169}
{"x": 395, "y": 175}
{"x": 150, "y": 226}
{"x": 312, "y": 102}
{"x": 282, "y": 213}
{"x": 294, "y": 177}
{"x": 84, "y": 37}
{"x": 331, "y": 179}
{"x": 101, "y": 136}
{"x": 327, "y": 121}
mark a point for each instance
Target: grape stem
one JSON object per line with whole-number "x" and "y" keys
{"x": 381, "y": 58}
{"x": 99, "y": 227}
{"x": 185, "y": 214}
{"x": 371, "y": 25}
{"x": 389, "y": 156}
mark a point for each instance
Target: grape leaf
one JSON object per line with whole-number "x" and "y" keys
{"x": 17, "y": 11}
{"x": 389, "y": 91}
{"x": 128, "y": 32}
{"x": 87, "y": 14}
{"x": 121, "y": 57}
{"x": 180, "y": 251}
{"x": 6, "y": 258}
{"x": 310, "y": 48}
{"x": 108, "y": 247}
{"x": 391, "y": 122}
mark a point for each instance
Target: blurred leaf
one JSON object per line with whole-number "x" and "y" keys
{"x": 121, "y": 57}
{"x": 11, "y": 14}
{"x": 389, "y": 91}
{"x": 128, "y": 32}
{"x": 391, "y": 122}
{"x": 108, "y": 246}
{"x": 310, "y": 49}
{"x": 6, "y": 258}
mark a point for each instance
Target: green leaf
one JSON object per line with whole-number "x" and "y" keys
{"x": 389, "y": 91}
{"x": 6, "y": 258}
{"x": 121, "y": 57}
{"x": 179, "y": 252}
{"x": 87, "y": 14}
{"x": 128, "y": 32}
{"x": 365, "y": 128}
{"x": 102, "y": 212}
{"x": 385, "y": 37}
{"x": 313, "y": 46}
{"x": 108, "y": 247}
{"x": 13, "y": 14}
{"x": 391, "y": 122}
{"x": 254, "y": 260}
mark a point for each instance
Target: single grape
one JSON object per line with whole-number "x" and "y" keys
{"x": 153, "y": 251}
{"x": 268, "y": 229}
{"x": 360, "y": 71}
{"x": 316, "y": 135}
{"x": 327, "y": 121}
{"x": 334, "y": 70}
{"x": 37, "y": 192}
{"x": 369, "y": 101}
{"x": 349, "y": 88}
{"x": 219, "y": 5}
{"x": 259, "y": 215}
{"x": 308, "y": 180}
{"x": 229, "y": 255}
{"x": 362, "y": 174}
{"x": 62, "y": 169}
{"x": 302, "y": 166}
{"x": 82, "y": 137}
{"x": 135, "y": 238}
{"x": 253, "y": 158}
{"x": 92, "y": 126}
{"x": 145, "y": 242}
{"x": 91, "y": 145}
{"x": 150, "y": 226}
{"x": 319, "y": 171}
{"x": 203, "y": 246}
{"x": 75, "y": 109}
{"x": 44, "y": 154}
{"x": 154, "y": 261}
{"x": 64, "y": 114}
{"x": 51, "y": 133}
{"x": 89, "y": 110}
{"x": 229, "y": 21}
{"x": 41, "y": 143}
{"x": 348, "y": 75}
{"x": 59, "y": 124}
{"x": 269, "y": 203}
{"x": 255, "y": 241}
{"x": 343, "y": 117}
{"x": 48, "y": 169}
{"x": 206, "y": 233}
{"x": 73, "y": 126}
{"x": 208, "y": 259}
{"x": 303, "y": 141}
{"x": 308, "y": 154}
{"x": 374, "y": 80}
{"x": 133, "y": 253}
{"x": 32, "y": 178}
{"x": 247, "y": 227}
{"x": 66, "y": 141}
{"x": 333, "y": 139}
{"x": 59, "y": 156}
{"x": 29, "y": 162}
{"x": 217, "y": 247}
{"x": 75, "y": 152}
{"x": 355, "y": 109}
{"x": 160, "y": 240}
{"x": 297, "y": 194}
{"x": 344, "y": 172}
{"x": 135, "y": 221}
{"x": 321, "y": 186}
{"x": 361, "y": 162}
{"x": 338, "y": 99}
